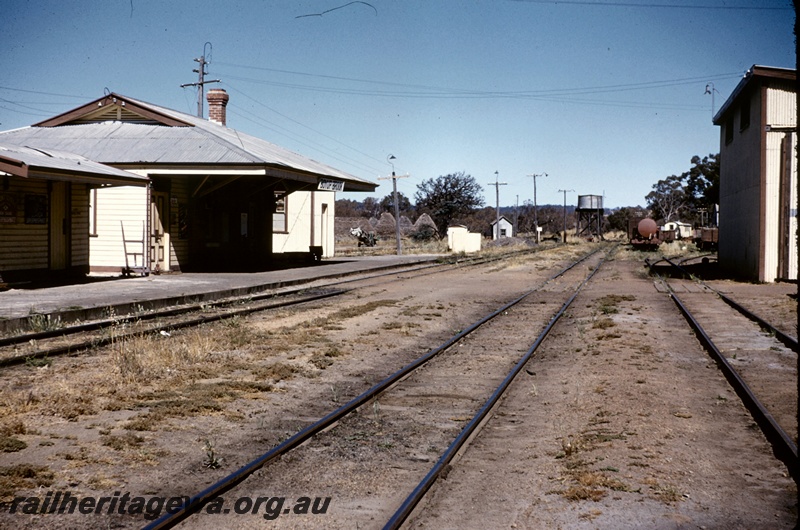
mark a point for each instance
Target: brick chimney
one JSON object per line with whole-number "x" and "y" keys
{"x": 217, "y": 101}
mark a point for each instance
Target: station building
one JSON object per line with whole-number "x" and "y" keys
{"x": 215, "y": 199}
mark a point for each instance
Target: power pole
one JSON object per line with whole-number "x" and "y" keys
{"x": 535, "y": 209}
{"x": 201, "y": 73}
{"x": 565, "y": 212}
{"x": 396, "y": 202}
{"x": 497, "y": 185}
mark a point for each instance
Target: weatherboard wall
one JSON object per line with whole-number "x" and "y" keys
{"x": 310, "y": 222}
{"x": 117, "y": 207}
{"x": 25, "y": 230}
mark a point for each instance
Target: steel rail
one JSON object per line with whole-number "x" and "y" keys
{"x": 206, "y": 319}
{"x": 471, "y": 428}
{"x": 196, "y": 502}
{"x": 782, "y": 445}
{"x": 173, "y": 311}
{"x": 100, "y": 325}
{"x": 228, "y": 301}
{"x": 787, "y": 340}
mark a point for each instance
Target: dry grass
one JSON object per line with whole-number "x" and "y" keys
{"x": 388, "y": 245}
{"x": 172, "y": 367}
{"x": 23, "y": 477}
{"x": 603, "y": 323}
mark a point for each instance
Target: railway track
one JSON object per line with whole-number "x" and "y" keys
{"x": 433, "y": 386}
{"x": 619, "y": 414}
{"x": 751, "y": 353}
{"x": 612, "y": 432}
{"x": 74, "y": 337}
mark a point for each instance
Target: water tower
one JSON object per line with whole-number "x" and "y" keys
{"x": 590, "y": 214}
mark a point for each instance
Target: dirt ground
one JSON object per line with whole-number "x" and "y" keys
{"x": 621, "y": 421}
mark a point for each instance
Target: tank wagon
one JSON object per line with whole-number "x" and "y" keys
{"x": 644, "y": 234}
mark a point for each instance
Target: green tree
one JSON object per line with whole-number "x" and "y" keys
{"x": 403, "y": 203}
{"x": 619, "y": 219}
{"x": 687, "y": 194}
{"x": 372, "y": 208}
{"x": 702, "y": 185}
{"x": 448, "y": 197}
{"x": 348, "y": 208}
{"x": 667, "y": 199}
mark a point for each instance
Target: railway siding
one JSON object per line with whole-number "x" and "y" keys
{"x": 633, "y": 428}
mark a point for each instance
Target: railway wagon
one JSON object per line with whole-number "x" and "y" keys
{"x": 644, "y": 234}
{"x": 706, "y": 238}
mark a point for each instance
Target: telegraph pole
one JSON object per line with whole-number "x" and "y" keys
{"x": 565, "y": 212}
{"x": 535, "y": 212}
{"x": 201, "y": 73}
{"x": 497, "y": 185}
{"x": 710, "y": 90}
{"x": 396, "y": 202}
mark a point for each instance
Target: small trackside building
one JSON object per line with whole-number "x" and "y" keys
{"x": 218, "y": 199}
{"x": 502, "y": 228}
{"x": 758, "y": 176}
{"x": 45, "y": 213}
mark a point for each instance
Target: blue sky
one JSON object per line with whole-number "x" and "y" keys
{"x": 605, "y": 97}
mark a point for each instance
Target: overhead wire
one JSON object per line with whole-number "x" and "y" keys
{"x": 659, "y": 5}
{"x": 431, "y": 92}
{"x": 249, "y": 116}
{"x": 568, "y": 95}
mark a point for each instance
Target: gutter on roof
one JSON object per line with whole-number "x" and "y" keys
{"x": 13, "y": 166}
{"x": 86, "y": 178}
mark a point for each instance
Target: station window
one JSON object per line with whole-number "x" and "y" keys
{"x": 279, "y": 223}
{"x": 744, "y": 115}
{"x": 729, "y": 129}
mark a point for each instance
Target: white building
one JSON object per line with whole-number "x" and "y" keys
{"x": 682, "y": 230}
{"x": 45, "y": 216}
{"x": 503, "y": 228}
{"x": 217, "y": 198}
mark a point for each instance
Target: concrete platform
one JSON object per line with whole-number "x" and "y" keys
{"x": 98, "y": 297}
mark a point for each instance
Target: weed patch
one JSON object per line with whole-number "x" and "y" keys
{"x": 9, "y": 444}
{"x": 119, "y": 443}
{"x": 23, "y": 477}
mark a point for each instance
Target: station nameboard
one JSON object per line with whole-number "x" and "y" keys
{"x": 331, "y": 185}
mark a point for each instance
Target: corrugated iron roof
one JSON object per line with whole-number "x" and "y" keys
{"x": 202, "y": 144}
{"x": 30, "y": 160}
{"x": 756, "y": 72}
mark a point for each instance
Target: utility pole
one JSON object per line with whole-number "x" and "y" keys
{"x": 497, "y": 185}
{"x": 396, "y": 202}
{"x": 565, "y": 212}
{"x": 535, "y": 212}
{"x": 201, "y": 73}
{"x": 710, "y": 90}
